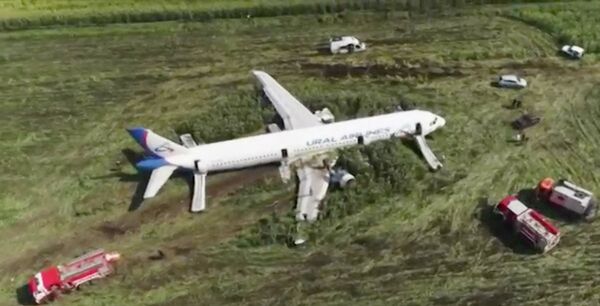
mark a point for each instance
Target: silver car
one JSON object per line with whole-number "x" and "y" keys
{"x": 511, "y": 81}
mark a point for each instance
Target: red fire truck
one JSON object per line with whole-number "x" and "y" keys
{"x": 529, "y": 223}
{"x": 49, "y": 283}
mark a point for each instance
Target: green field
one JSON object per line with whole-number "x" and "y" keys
{"x": 403, "y": 236}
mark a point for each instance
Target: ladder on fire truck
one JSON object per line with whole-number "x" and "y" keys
{"x": 87, "y": 261}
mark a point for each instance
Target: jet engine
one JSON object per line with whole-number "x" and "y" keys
{"x": 325, "y": 115}
{"x": 341, "y": 178}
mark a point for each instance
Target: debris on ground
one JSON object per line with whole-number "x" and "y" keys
{"x": 516, "y": 103}
{"x": 525, "y": 121}
{"x": 158, "y": 255}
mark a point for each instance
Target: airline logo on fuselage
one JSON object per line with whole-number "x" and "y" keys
{"x": 163, "y": 148}
{"x": 324, "y": 140}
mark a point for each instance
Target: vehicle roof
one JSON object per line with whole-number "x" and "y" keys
{"x": 572, "y": 186}
{"x": 572, "y": 193}
{"x": 576, "y": 48}
{"x": 516, "y": 207}
{"x": 50, "y": 276}
{"x": 545, "y": 223}
{"x": 510, "y": 77}
{"x": 338, "y": 38}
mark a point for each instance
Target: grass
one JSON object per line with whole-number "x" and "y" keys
{"x": 404, "y": 236}
{"x": 34, "y": 14}
{"x": 569, "y": 23}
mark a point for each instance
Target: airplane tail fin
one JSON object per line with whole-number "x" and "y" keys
{"x": 156, "y": 144}
{"x": 159, "y": 147}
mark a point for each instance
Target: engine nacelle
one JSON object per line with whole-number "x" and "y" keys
{"x": 201, "y": 166}
{"x": 325, "y": 115}
{"x": 347, "y": 180}
{"x": 341, "y": 178}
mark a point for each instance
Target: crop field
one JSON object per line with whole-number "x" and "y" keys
{"x": 402, "y": 236}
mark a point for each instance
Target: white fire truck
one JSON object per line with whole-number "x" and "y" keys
{"x": 529, "y": 223}
{"x": 568, "y": 196}
{"x": 49, "y": 283}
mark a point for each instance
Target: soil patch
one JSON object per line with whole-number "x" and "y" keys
{"x": 377, "y": 70}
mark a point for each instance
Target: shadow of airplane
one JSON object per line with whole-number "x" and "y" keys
{"x": 142, "y": 177}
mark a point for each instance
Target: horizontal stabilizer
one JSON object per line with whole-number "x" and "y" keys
{"x": 158, "y": 178}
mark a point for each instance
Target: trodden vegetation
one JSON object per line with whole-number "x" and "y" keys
{"x": 403, "y": 236}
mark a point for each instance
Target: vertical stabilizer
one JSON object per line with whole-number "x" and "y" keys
{"x": 156, "y": 144}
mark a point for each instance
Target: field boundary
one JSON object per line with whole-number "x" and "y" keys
{"x": 88, "y": 17}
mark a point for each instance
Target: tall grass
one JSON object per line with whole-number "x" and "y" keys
{"x": 568, "y": 24}
{"x": 35, "y": 14}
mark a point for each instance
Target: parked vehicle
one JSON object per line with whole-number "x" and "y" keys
{"x": 529, "y": 223}
{"x": 568, "y": 196}
{"x": 511, "y": 81}
{"x": 346, "y": 44}
{"x": 49, "y": 283}
{"x": 573, "y": 51}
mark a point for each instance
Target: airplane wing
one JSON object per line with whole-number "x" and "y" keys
{"x": 294, "y": 114}
{"x": 312, "y": 189}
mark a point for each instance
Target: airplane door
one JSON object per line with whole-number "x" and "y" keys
{"x": 284, "y": 153}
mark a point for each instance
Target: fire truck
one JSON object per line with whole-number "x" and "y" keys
{"x": 568, "y": 196}
{"x": 49, "y": 283}
{"x": 529, "y": 223}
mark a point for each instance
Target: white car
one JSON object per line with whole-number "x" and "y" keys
{"x": 511, "y": 81}
{"x": 573, "y": 51}
{"x": 346, "y": 44}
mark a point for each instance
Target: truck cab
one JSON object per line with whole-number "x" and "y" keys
{"x": 49, "y": 283}
{"x": 529, "y": 223}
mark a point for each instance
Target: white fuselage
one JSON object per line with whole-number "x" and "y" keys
{"x": 293, "y": 144}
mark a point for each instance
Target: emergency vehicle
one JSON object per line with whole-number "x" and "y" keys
{"x": 568, "y": 196}
{"x": 49, "y": 283}
{"x": 346, "y": 44}
{"x": 529, "y": 223}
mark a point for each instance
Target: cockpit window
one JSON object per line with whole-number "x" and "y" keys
{"x": 433, "y": 122}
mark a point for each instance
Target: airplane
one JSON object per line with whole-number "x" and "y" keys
{"x": 306, "y": 145}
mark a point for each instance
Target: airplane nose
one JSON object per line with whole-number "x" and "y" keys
{"x": 441, "y": 121}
